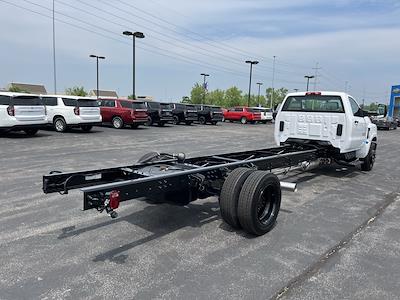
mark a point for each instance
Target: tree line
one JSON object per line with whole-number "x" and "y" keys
{"x": 233, "y": 96}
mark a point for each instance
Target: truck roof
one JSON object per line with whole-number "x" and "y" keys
{"x": 15, "y": 94}
{"x": 323, "y": 93}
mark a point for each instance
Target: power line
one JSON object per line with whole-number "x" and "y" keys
{"x": 191, "y": 61}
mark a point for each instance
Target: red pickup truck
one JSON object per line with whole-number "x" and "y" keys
{"x": 242, "y": 114}
{"x": 121, "y": 112}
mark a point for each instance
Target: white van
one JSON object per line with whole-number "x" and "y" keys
{"x": 20, "y": 111}
{"x": 65, "y": 112}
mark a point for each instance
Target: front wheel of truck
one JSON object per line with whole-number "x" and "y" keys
{"x": 369, "y": 161}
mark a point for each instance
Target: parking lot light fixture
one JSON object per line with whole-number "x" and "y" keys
{"x": 251, "y": 62}
{"x": 97, "y": 71}
{"x": 204, "y": 86}
{"x": 134, "y": 35}
{"x": 259, "y": 90}
{"x": 308, "y": 80}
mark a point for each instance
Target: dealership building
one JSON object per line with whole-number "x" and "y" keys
{"x": 394, "y": 105}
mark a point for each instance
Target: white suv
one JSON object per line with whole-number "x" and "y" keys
{"x": 266, "y": 113}
{"x": 65, "y": 112}
{"x": 19, "y": 111}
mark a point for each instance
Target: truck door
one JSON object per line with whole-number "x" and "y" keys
{"x": 358, "y": 125}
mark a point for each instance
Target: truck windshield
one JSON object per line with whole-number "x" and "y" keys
{"x": 87, "y": 103}
{"x": 138, "y": 105}
{"x": 133, "y": 104}
{"x": 27, "y": 100}
{"x": 314, "y": 103}
{"x": 166, "y": 106}
{"x": 154, "y": 105}
{"x": 215, "y": 108}
{"x": 190, "y": 107}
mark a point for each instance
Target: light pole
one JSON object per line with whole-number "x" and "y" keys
{"x": 134, "y": 35}
{"x": 97, "y": 72}
{"x": 273, "y": 83}
{"x": 259, "y": 89}
{"x": 54, "y": 52}
{"x": 251, "y": 62}
{"x": 308, "y": 80}
{"x": 204, "y": 86}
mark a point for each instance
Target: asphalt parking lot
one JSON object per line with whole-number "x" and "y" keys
{"x": 337, "y": 237}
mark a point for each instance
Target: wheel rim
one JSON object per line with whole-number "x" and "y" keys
{"x": 59, "y": 125}
{"x": 202, "y": 120}
{"x": 373, "y": 154}
{"x": 243, "y": 120}
{"x": 117, "y": 123}
{"x": 266, "y": 204}
{"x": 175, "y": 120}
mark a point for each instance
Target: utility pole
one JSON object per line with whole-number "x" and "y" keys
{"x": 316, "y": 75}
{"x": 97, "y": 72}
{"x": 308, "y": 77}
{"x": 251, "y": 62}
{"x": 363, "y": 99}
{"x": 273, "y": 83}
{"x": 259, "y": 90}
{"x": 204, "y": 86}
{"x": 54, "y": 52}
{"x": 134, "y": 35}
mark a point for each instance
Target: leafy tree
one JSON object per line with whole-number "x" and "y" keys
{"x": 279, "y": 95}
{"x": 254, "y": 100}
{"x": 233, "y": 97}
{"x": 216, "y": 97}
{"x": 197, "y": 94}
{"x": 185, "y": 99}
{"x": 131, "y": 97}
{"x": 76, "y": 91}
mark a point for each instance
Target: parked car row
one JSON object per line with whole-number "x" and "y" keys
{"x": 29, "y": 112}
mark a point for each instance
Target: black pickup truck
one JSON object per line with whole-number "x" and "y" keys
{"x": 159, "y": 113}
{"x": 184, "y": 113}
{"x": 209, "y": 114}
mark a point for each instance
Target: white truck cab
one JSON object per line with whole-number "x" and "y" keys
{"x": 20, "y": 111}
{"x": 65, "y": 112}
{"x": 331, "y": 119}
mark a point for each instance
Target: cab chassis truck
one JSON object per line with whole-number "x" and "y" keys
{"x": 246, "y": 182}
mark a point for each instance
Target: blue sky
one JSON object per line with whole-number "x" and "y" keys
{"x": 354, "y": 41}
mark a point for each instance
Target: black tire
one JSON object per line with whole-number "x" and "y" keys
{"x": 188, "y": 122}
{"x": 31, "y": 131}
{"x": 243, "y": 120}
{"x": 176, "y": 120}
{"x": 202, "y": 120}
{"x": 259, "y": 202}
{"x": 369, "y": 161}
{"x": 161, "y": 124}
{"x": 149, "y": 121}
{"x": 117, "y": 123}
{"x": 60, "y": 125}
{"x": 135, "y": 126}
{"x": 86, "y": 128}
{"x": 229, "y": 197}
{"x": 214, "y": 122}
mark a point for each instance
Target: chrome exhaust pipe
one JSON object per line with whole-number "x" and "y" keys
{"x": 289, "y": 186}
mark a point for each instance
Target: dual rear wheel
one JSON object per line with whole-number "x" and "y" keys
{"x": 251, "y": 200}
